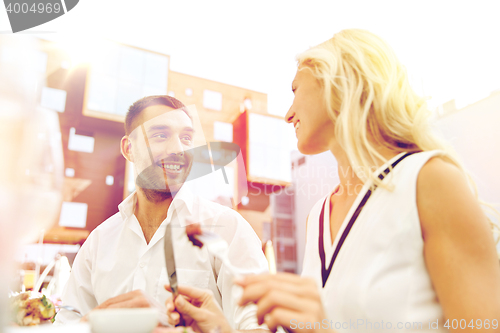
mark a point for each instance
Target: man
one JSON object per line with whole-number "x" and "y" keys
{"x": 122, "y": 262}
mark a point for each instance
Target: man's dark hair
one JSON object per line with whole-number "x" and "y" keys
{"x": 135, "y": 109}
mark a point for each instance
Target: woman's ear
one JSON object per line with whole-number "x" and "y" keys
{"x": 126, "y": 148}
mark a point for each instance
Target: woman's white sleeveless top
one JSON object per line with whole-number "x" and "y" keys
{"x": 379, "y": 280}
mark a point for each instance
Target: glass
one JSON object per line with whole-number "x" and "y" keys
{"x": 31, "y": 167}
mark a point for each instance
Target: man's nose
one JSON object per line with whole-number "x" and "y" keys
{"x": 174, "y": 146}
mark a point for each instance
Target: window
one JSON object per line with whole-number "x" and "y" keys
{"x": 284, "y": 223}
{"x": 266, "y": 231}
{"x": 223, "y": 131}
{"x": 69, "y": 172}
{"x": 110, "y": 180}
{"x": 80, "y": 143}
{"x": 271, "y": 141}
{"x": 285, "y": 232}
{"x": 73, "y": 214}
{"x": 286, "y": 253}
{"x": 122, "y": 75}
{"x": 53, "y": 99}
{"x": 212, "y": 100}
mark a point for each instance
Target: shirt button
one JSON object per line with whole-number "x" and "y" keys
{"x": 141, "y": 265}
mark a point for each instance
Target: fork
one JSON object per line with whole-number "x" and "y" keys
{"x": 217, "y": 246}
{"x": 69, "y": 308}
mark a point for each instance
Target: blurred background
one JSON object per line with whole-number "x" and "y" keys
{"x": 234, "y": 61}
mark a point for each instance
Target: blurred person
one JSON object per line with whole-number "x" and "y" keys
{"x": 402, "y": 238}
{"x": 31, "y": 167}
{"x": 122, "y": 262}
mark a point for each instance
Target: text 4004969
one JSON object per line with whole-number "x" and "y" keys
{"x": 34, "y": 8}
{"x": 477, "y": 324}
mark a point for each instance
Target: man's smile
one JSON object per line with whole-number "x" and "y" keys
{"x": 171, "y": 168}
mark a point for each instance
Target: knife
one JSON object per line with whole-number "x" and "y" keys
{"x": 170, "y": 262}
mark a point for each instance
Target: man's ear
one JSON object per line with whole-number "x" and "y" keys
{"x": 126, "y": 148}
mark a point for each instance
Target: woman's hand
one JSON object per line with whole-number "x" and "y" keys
{"x": 199, "y": 310}
{"x": 284, "y": 299}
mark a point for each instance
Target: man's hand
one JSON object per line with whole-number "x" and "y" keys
{"x": 160, "y": 329}
{"x": 283, "y": 299}
{"x": 133, "y": 299}
{"x": 199, "y": 310}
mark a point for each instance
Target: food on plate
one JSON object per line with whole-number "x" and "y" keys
{"x": 29, "y": 309}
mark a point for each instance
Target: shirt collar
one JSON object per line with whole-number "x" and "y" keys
{"x": 127, "y": 206}
{"x": 183, "y": 203}
{"x": 184, "y": 199}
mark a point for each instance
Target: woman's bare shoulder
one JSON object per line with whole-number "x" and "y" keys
{"x": 444, "y": 197}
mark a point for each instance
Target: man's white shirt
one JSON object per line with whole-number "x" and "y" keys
{"x": 115, "y": 258}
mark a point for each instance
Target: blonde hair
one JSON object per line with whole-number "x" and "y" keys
{"x": 369, "y": 98}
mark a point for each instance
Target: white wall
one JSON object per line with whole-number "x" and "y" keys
{"x": 474, "y": 132}
{"x": 312, "y": 181}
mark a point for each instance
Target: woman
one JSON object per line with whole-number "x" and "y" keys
{"x": 402, "y": 242}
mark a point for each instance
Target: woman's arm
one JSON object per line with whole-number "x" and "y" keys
{"x": 459, "y": 249}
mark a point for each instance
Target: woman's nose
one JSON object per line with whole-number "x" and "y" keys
{"x": 289, "y": 116}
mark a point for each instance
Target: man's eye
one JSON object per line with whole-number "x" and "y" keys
{"x": 160, "y": 135}
{"x": 186, "y": 138}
